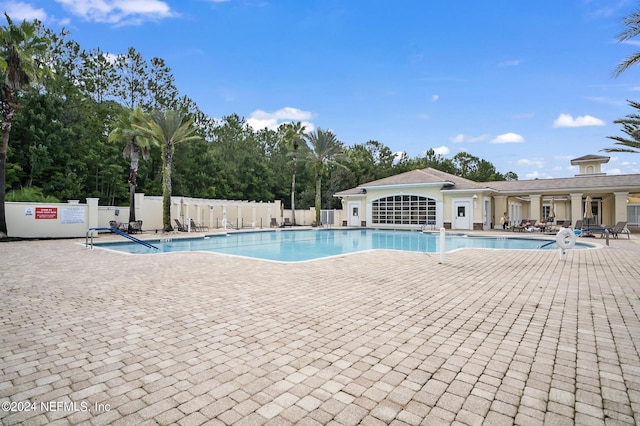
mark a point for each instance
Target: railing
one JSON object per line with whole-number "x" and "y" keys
{"x": 119, "y": 232}
{"x": 431, "y": 224}
{"x": 247, "y": 224}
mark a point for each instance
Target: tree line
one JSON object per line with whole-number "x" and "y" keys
{"x": 60, "y": 123}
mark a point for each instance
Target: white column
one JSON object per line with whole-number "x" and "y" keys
{"x": 535, "y": 208}
{"x": 92, "y": 212}
{"x": 620, "y": 207}
{"x": 576, "y": 207}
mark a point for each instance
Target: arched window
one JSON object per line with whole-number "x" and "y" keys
{"x": 403, "y": 210}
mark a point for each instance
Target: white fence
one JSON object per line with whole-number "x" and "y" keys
{"x": 73, "y": 219}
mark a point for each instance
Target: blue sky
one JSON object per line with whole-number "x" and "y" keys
{"x": 525, "y": 85}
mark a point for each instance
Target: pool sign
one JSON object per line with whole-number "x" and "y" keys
{"x": 71, "y": 216}
{"x": 46, "y": 212}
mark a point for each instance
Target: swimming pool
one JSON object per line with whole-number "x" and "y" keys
{"x": 301, "y": 245}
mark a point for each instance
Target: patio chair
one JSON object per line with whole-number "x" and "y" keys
{"x": 287, "y": 222}
{"x": 620, "y": 228}
{"x": 135, "y": 227}
{"x": 520, "y": 227}
{"x": 227, "y": 225}
{"x": 120, "y": 226}
{"x": 274, "y": 223}
{"x": 541, "y": 225}
{"x": 198, "y": 227}
{"x": 579, "y": 224}
{"x": 180, "y": 227}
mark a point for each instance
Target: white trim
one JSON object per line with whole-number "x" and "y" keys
{"x": 436, "y": 201}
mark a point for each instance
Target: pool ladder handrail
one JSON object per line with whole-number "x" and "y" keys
{"x": 119, "y": 232}
{"x": 430, "y": 224}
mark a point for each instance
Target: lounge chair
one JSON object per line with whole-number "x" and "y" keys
{"x": 287, "y": 222}
{"x": 620, "y": 228}
{"x": 274, "y": 223}
{"x": 520, "y": 227}
{"x": 588, "y": 231}
{"x": 135, "y": 227}
{"x": 226, "y": 224}
{"x": 541, "y": 225}
{"x": 120, "y": 226}
{"x": 579, "y": 224}
{"x": 198, "y": 227}
{"x": 180, "y": 227}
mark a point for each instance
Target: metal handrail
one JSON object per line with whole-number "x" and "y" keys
{"x": 119, "y": 232}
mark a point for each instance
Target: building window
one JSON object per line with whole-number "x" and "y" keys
{"x": 404, "y": 210}
{"x": 633, "y": 215}
{"x": 546, "y": 212}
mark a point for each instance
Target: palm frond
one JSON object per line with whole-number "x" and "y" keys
{"x": 631, "y": 127}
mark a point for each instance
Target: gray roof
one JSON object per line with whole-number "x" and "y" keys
{"x": 590, "y": 158}
{"x": 425, "y": 176}
{"x": 565, "y": 185}
{"x": 449, "y": 182}
{"x": 352, "y": 191}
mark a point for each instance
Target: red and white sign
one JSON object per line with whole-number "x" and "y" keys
{"x": 46, "y": 212}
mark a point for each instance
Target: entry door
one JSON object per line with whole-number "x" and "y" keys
{"x": 462, "y": 215}
{"x": 596, "y": 218}
{"x": 354, "y": 213}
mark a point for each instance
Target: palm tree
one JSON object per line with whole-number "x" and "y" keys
{"x": 22, "y": 61}
{"x": 136, "y": 145}
{"x": 293, "y": 135}
{"x": 325, "y": 150}
{"x": 630, "y": 126}
{"x": 632, "y": 22}
{"x": 168, "y": 128}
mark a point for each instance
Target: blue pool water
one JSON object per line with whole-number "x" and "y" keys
{"x": 300, "y": 245}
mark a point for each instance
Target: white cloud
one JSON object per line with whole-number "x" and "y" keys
{"x": 423, "y": 116}
{"x": 566, "y": 120}
{"x": 533, "y": 175}
{"x": 19, "y": 11}
{"x": 260, "y": 119}
{"x": 441, "y": 150}
{"x": 118, "y": 11}
{"x": 434, "y": 98}
{"x": 460, "y": 137}
{"x": 508, "y": 138}
{"x": 531, "y": 162}
{"x": 614, "y": 171}
{"x": 537, "y": 175}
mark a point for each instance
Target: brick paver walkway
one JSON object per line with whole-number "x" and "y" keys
{"x": 490, "y": 337}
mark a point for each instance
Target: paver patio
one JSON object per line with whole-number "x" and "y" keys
{"x": 489, "y": 337}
